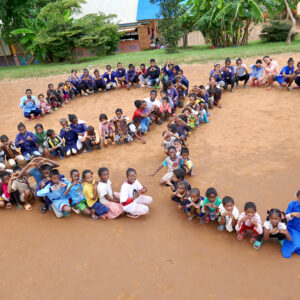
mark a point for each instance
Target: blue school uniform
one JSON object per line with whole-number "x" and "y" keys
{"x": 216, "y": 76}
{"x": 75, "y": 81}
{"x": 70, "y": 137}
{"x": 285, "y": 70}
{"x": 29, "y": 106}
{"x": 130, "y": 75}
{"x": 185, "y": 81}
{"x": 76, "y": 193}
{"x": 121, "y": 73}
{"x": 293, "y": 227}
{"x": 27, "y": 147}
{"x": 188, "y": 209}
{"x": 110, "y": 77}
{"x": 86, "y": 81}
{"x": 227, "y": 74}
{"x": 79, "y": 128}
{"x": 256, "y": 72}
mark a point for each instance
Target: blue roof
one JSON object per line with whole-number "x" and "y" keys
{"x": 147, "y": 10}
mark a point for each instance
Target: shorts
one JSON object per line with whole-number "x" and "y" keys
{"x": 81, "y": 205}
{"x": 167, "y": 176}
{"x": 280, "y": 79}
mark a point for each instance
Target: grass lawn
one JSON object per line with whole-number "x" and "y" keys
{"x": 195, "y": 54}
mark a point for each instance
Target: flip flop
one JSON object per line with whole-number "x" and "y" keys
{"x": 8, "y": 205}
{"x": 257, "y": 245}
{"x": 241, "y": 236}
{"x": 94, "y": 218}
{"x": 253, "y": 239}
{"x": 28, "y": 206}
{"x": 132, "y": 216}
{"x": 221, "y": 227}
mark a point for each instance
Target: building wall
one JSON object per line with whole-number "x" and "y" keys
{"x": 194, "y": 38}
{"x": 145, "y": 32}
{"x": 129, "y": 46}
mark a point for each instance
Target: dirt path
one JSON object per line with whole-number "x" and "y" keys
{"x": 249, "y": 151}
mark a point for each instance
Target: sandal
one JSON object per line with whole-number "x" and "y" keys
{"x": 241, "y": 236}
{"x": 94, "y": 217}
{"x": 8, "y": 205}
{"x": 206, "y": 219}
{"x": 221, "y": 227}
{"x": 43, "y": 208}
{"x": 132, "y": 216}
{"x": 253, "y": 239}
{"x": 27, "y": 206}
{"x": 257, "y": 245}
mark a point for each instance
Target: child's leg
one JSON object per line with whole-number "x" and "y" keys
{"x": 36, "y": 153}
{"x": 12, "y": 162}
{"x": 88, "y": 145}
{"x": 246, "y": 78}
{"x": 59, "y": 214}
{"x": 61, "y": 151}
{"x": 26, "y": 197}
{"x": 67, "y": 208}
{"x": 2, "y": 203}
{"x": 100, "y": 209}
{"x": 79, "y": 142}
{"x": 27, "y": 115}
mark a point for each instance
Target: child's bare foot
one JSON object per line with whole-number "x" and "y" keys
{"x": 94, "y": 217}
{"x": 8, "y": 205}
{"x": 179, "y": 206}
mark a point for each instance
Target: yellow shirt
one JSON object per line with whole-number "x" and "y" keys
{"x": 88, "y": 190}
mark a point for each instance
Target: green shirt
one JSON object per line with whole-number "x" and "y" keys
{"x": 41, "y": 137}
{"x": 206, "y": 201}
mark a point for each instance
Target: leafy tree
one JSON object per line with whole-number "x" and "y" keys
{"x": 288, "y": 6}
{"x": 170, "y": 27}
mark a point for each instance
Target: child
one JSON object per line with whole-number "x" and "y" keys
{"x": 181, "y": 128}
{"x": 274, "y": 227}
{"x": 271, "y": 71}
{"x": 172, "y": 162}
{"x": 134, "y": 128}
{"x": 178, "y": 145}
{"x": 121, "y": 75}
{"x": 168, "y": 140}
{"x": 121, "y": 128}
{"x": 297, "y": 76}
{"x": 91, "y": 139}
{"x": 181, "y": 194}
{"x": 153, "y": 105}
{"x": 184, "y": 81}
{"x": 227, "y": 75}
{"x": 152, "y": 74}
{"x": 79, "y": 127}
{"x": 98, "y": 82}
{"x": 181, "y": 90}
{"x": 163, "y": 78}
{"x": 188, "y": 165}
{"x": 27, "y": 141}
{"x": 41, "y": 136}
{"x": 132, "y": 76}
{"x": 215, "y": 92}
{"x": 55, "y": 191}
{"x": 249, "y": 220}
{"x": 53, "y": 97}
{"x": 256, "y": 75}
{"x": 286, "y": 76}
{"x": 193, "y": 205}
{"x": 193, "y": 104}
{"x": 165, "y": 109}
{"x": 229, "y": 214}
{"x": 203, "y": 114}
{"x": 60, "y": 91}
{"x": 163, "y": 94}
{"x": 86, "y": 82}
{"x": 241, "y": 73}
{"x": 172, "y": 93}
{"x": 75, "y": 81}
{"x": 141, "y": 72}
{"x": 141, "y": 107}
{"x": 75, "y": 192}
{"x": 132, "y": 197}
{"x": 107, "y": 197}
{"x": 106, "y": 130}
{"x": 10, "y": 153}
{"x": 5, "y": 197}
{"x": 44, "y": 105}
{"x": 30, "y": 106}
{"x": 70, "y": 90}
{"x": 178, "y": 176}
{"x": 91, "y": 196}
{"x": 110, "y": 77}
{"x": 216, "y": 73}
{"x": 54, "y": 144}
{"x": 293, "y": 227}
{"x": 70, "y": 137}
{"x": 211, "y": 204}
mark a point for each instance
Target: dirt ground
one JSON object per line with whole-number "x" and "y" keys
{"x": 249, "y": 151}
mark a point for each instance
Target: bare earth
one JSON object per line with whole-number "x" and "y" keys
{"x": 249, "y": 151}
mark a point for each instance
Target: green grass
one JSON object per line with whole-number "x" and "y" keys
{"x": 195, "y": 54}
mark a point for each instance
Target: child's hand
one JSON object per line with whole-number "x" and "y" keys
{"x": 274, "y": 231}
{"x": 61, "y": 184}
{"x": 29, "y": 138}
{"x": 20, "y": 142}
{"x": 252, "y": 221}
{"x": 144, "y": 190}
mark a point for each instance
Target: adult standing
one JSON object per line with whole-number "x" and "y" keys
{"x": 271, "y": 71}
{"x": 30, "y": 105}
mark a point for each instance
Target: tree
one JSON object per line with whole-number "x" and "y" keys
{"x": 290, "y": 15}
{"x": 170, "y": 22}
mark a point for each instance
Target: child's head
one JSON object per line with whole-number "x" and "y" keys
{"x": 54, "y": 176}
{"x": 180, "y": 72}
{"x": 192, "y": 98}
{"x": 163, "y": 93}
{"x": 87, "y": 176}
{"x": 142, "y": 67}
{"x": 152, "y": 62}
{"x": 67, "y": 83}
{"x": 169, "y": 84}
{"x": 96, "y": 72}
{"x": 108, "y": 68}
{"x": 178, "y": 175}
{"x": 212, "y": 80}
{"x": 227, "y": 62}
{"x": 238, "y": 62}
{"x": 74, "y": 72}
{"x": 46, "y": 169}
{"x": 131, "y": 175}
{"x": 138, "y": 103}
{"x": 182, "y": 187}
{"x": 60, "y": 85}
{"x": 103, "y": 174}
{"x": 167, "y": 136}
{"x": 86, "y": 71}
{"x": 73, "y": 118}
{"x": 153, "y": 94}
{"x": 202, "y": 105}
{"x": 228, "y": 203}
{"x": 51, "y": 86}
{"x": 74, "y": 174}
{"x": 22, "y": 128}
{"x": 41, "y": 97}
{"x": 119, "y": 65}
{"x": 258, "y": 63}
{"x": 28, "y": 93}
{"x": 51, "y": 133}
{"x": 137, "y": 121}
{"x": 5, "y": 176}
{"x": 4, "y": 139}
{"x": 195, "y": 195}
{"x": 103, "y": 118}
{"x": 90, "y": 130}
{"x": 131, "y": 67}
{"x": 267, "y": 59}
{"x": 173, "y": 128}
{"x": 63, "y": 122}
{"x": 39, "y": 128}
{"x": 174, "y": 70}
{"x": 290, "y": 62}
{"x": 186, "y": 112}
{"x": 177, "y": 143}
{"x": 211, "y": 194}
{"x": 119, "y": 113}
{"x": 217, "y": 66}
{"x": 185, "y": 153}
{"x": 298, "y": 195}
{"x": 298, "y": 65}
{"x": 172, "y": 152}
{"x": 250, "y": 209}
{"x": 274, "y": 215}
{"x": 165, "y": 100}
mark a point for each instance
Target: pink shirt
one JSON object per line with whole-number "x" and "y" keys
{"x": 247, "y": 222}
{"x": 273, "y": 67}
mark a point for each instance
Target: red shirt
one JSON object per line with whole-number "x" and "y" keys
{"x": 137, "y": 113}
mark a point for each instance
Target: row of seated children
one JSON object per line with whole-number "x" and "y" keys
{"x": 81, "y": 194}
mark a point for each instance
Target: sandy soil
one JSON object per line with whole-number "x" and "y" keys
{"x": 248, "y": 151}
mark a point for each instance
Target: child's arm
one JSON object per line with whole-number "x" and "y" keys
{"x": 95, "y": 191}
{"x": 286, "y": 233}
{"x": 69, "y": 188}
{"x": 139, "y": 137}
{"x": 156, "y": 171}
{"x": 10, "y": 182}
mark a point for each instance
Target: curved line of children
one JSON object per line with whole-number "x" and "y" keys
{"x": 84, "y": 194}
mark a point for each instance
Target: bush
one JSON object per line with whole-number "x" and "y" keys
{"x": 276, "y": 31}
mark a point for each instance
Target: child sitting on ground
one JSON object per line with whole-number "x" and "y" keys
{"x": 91, "y": 196}
{"x": 10, "y": 153}
{"x": 274, "y": 228}
{"x": 211, "y": 204}
{"x": 44, "y": 105}
{"x": 106, "y": 130}
{"x": 98, "y": 82}
{"x": 132, "y": 77}
{"x": 249, "y": 220}
{"x": 134, "y": 128}
{"x": 121, "y": 127}
{"x": 75, "y": 192}
{"x": 202, "y": 114}
{"x": 178, "y": 145}
{"x": 110, "y": 77}
{"x": 173, "y": 94}
{"x": 181, "y": 90}
{"x": 63, "y": 93}
{"x": 53, "y": 97}
{"x": 181, "y": 194}
{"x": 121, "y": 75}
{"x": 229, "y": 214}
{"x": 69, "y": 90}
{"x": 163, "y": 94}
{"x": 168, "y": 140}
{"x": 165, "y": 109}
{"x": 178, "y": 175}
{"x": 188, "y": 165}
{"x": 54, "y": 144}
{"x": 193, "y": 205}
{"x": 55, "y": 191}
{"x": 297, "y": 76}
{"x": 41, "y": 136}
{"x": 172, "y": 162}
{"x": 256, "y": 75}
{"x": 91, "y": 139}
{"x": 5, "y": 196}
{"x": 79, "y": 127}
{"x": 70, "y": 137}
{"x": 107, "y": 197}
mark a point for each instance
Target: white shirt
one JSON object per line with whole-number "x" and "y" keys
{"x": 228, "y": 220}
{"x": 133, "y": 128}
{"x": 104, "y": 189}
{"x": 241, "y": 71}
{"x": 129, "y": 190}
{"x": 150, "y": 104}
{"x": 167, "y": 144}
{"x": 268, "y": 225}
